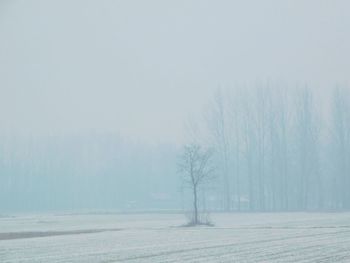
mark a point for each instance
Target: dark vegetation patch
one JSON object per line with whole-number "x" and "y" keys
{"x": 21, "y": 235}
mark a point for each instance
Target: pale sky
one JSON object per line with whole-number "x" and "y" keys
{"x": 140, "y": 68}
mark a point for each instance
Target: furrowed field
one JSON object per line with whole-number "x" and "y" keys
{"x": 245, "y": 237}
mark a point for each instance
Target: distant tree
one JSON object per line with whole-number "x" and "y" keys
{"x": 305, "y": 148}
{"x": 340, "y": 152}
{"x": 217, "y": 123}
{"x": 195, "y": 166}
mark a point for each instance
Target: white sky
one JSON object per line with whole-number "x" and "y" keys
{"x": 141, "y": 67}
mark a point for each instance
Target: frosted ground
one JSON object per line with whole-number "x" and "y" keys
{"x": 246, "y": 237}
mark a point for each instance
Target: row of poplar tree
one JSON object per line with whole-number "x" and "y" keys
{"x": 279, "y": 149}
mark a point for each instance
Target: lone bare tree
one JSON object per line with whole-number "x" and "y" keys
{"x": 195, "y": 165}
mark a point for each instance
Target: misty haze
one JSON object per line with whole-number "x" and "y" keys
{"x": 174, "y": 131}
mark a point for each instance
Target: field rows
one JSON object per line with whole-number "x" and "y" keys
{"x": 158, "y": 238}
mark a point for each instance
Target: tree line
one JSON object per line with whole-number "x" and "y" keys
{"x": 103, "y": 172}
{"x": 277, "y": 149}
{"x": 264, "y": 149}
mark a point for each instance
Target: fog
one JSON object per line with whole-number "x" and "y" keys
{"x": 140, "y": 68}
{"x": 98, "y": 98}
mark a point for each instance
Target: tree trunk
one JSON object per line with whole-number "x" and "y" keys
{"x": 195, "y": 205}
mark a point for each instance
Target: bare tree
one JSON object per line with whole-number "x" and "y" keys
{"x": 219, "y": 131}
{"x": 195, "y": 165}
{"x": 340, "y": 141}
{"x": 235, "y": 136}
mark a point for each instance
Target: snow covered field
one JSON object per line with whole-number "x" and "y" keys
{"x": 246, "y": 237}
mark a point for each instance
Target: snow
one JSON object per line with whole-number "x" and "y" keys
{"x": 243, "y": 237}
